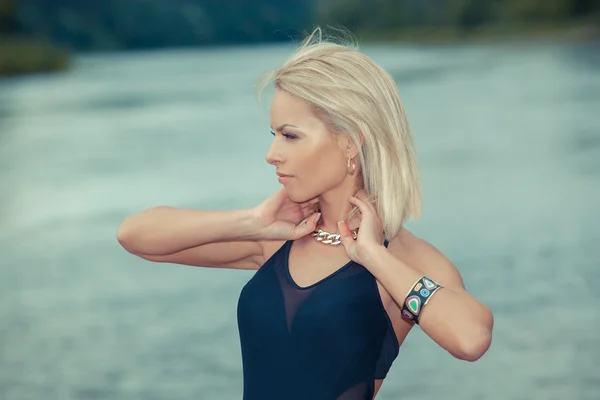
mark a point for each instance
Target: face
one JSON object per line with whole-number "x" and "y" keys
{"x": 304, "y": 149}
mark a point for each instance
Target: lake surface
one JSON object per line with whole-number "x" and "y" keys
{"x": 508, "y": 139}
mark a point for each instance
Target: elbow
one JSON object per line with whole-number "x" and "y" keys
{"x": 474, "y": 346}
{"x": 474, "y": 349}
{"x": 125, "y": 234}
{"x": 132, "y": 233}
{"x": 129, "y": 234}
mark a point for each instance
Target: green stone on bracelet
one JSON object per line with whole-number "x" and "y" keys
{"x": 418, "y": 296}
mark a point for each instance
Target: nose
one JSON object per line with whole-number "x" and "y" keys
{"x": 273, "y": 155}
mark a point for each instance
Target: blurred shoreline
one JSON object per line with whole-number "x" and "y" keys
{"x": 27, "y": 56}
{"x": 563, "y": 31}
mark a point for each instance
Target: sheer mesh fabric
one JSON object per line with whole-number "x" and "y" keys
{"x": 389, "y": 352}
{"x": 360, "y": 391}
{"x": 328, "y": 341}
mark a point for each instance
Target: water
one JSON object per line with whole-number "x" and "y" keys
{"x": 509, "y": 149}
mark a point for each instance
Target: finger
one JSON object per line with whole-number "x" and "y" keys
{"x": 309, "y": 205}
{"x": 307, "y": 226}
{"x": 310, "y": 202}
{"x": 361, "y": 194}
{"x": 363, "y": 204}
{"x": 343, "y": 229}
{"x": 345, "y": 234}
{"x": 308, "y": 211}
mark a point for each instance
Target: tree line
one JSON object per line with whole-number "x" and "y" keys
{"x": 386, "y": 15}
{"x": 133, "y": 24}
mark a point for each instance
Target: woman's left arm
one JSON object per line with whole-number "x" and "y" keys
{"x": 452, "y": 318}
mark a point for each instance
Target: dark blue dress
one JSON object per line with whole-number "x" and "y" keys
{"x": 327, "y": 341}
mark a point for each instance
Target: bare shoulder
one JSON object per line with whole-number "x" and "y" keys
{"x": 423, "y": 256}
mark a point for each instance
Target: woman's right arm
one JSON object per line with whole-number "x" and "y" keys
{"x": 220, "y": 239}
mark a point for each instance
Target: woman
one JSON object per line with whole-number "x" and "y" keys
{"x": 339, "y": 281}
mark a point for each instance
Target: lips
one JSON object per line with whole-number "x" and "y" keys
{"x": 283, "y": 177}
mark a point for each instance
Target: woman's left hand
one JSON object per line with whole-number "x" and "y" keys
{"x": 370, "y": 233}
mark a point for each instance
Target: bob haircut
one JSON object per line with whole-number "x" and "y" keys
{"x": 354, "y": 96}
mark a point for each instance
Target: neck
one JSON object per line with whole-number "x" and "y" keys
{"x": 335, "y": 206}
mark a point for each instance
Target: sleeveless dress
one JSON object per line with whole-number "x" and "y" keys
{"x": 327, "y": 341}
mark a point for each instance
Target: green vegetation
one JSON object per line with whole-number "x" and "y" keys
{"x": 22, "y": 54}
{"x": 26, "y": 56}
{"x": 33, "y": 31}
{"x": 107, "y": 25}
{"x": 450, "y": 20}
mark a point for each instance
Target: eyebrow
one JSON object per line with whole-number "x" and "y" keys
{"x": 284, "y": 126}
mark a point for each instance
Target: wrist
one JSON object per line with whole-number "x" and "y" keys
{"x": 247, "y": 224}
{"x": 372, "y": 254}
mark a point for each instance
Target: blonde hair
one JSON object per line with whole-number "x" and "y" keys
{"x": 355, "y": 96}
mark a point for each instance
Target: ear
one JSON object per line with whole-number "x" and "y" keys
{"x": 348, "y": 146}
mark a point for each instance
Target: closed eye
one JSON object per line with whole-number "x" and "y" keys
{"x": 287, "y": 136}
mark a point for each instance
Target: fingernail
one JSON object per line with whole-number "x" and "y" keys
{"x": 318, "y": 217}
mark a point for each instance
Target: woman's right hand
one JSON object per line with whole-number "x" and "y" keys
{"x": 279, "y": 218}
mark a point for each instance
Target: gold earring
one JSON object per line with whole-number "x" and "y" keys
{"x": 350, "y": 167}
